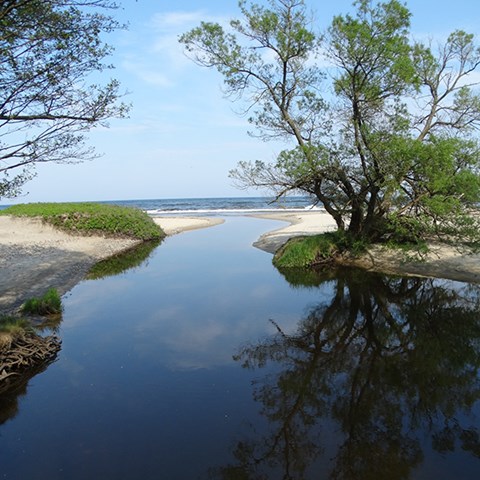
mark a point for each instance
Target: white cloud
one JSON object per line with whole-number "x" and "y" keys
{"x": 176, "y": 20}
{"x": 147, "y": 73}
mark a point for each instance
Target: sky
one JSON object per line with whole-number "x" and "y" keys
{"x": 182, "y": 136}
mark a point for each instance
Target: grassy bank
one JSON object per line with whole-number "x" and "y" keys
{"x": 92, "y": 218}
{"x": 304, "y": 252}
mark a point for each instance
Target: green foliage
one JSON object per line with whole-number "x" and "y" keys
{"x": 404, "y": 230}
{"x": 13, "y": 326}
{"x": 286, "y": 32}
{"x": 397, "y": 146}
{"x": 91, "y": 218}
{"x": 378, "y": 37}
{"x": 49, "y": 53}
{"x": 313, "y": 250}
{"x": 304, "y": 251}
{"x": 48, "y": 304}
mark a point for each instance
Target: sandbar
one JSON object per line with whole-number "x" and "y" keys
{"x": 174, "y": 225}
{"x": 311, "y": 222}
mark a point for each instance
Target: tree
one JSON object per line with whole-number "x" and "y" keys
{"x": 394, "y": 149}
{"x": 50, "y": 51}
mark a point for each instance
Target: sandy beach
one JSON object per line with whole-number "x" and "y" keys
{"x": 35, "y": 256}
{"x": 304, "y": 223}
{"x": 174, "y": 225}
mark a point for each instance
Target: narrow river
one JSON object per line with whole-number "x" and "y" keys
{"x": 205, "y": 362}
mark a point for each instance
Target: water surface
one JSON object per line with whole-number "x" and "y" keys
{"x": 206, "y": 362}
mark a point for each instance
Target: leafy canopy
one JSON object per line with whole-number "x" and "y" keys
{"x": 382, "y": 129}
{"x": 50, "y": 51}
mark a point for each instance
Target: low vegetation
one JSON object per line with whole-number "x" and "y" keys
{"x": 92, "y": 218}
{"x": 48, "y": 304}
{"x": 301, "y": 252}
{"x": 11, "y": 326}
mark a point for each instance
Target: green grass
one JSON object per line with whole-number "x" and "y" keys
{"x": 92, "y": 218}
{"x": 49, "y": 304}
{"x": 304, "y": 252}
{"x": 12, "y": 325}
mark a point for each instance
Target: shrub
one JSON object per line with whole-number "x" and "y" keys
{"x": 48, "y": 304}
{"x": 301, "y": 252}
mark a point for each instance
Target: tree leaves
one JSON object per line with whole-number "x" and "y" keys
{"x": 48, "y": 51}
{"x": 399, "y": 137}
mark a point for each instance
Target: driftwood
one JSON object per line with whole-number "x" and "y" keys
{"x": 24, "y": 353}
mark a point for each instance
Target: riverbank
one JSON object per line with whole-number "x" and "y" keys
{"x": 35, "y": 255}
{"x": 441, "y": 261}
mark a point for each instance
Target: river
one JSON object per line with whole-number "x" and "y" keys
{"x": 205, "y": 362}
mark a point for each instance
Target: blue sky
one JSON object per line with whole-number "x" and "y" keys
{"x": 182, "y": 137}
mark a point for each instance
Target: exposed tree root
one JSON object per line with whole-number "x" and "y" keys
{"x": 23, "y": 353}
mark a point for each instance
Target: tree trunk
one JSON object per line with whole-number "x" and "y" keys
{"x": 355, "y": 228}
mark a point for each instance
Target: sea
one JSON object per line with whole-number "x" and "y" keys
{"x": 216, "y": 206}
{"x": 219, "y": 206}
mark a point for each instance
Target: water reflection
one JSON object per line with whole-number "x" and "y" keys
{"x": 386, "y": 362}
{"x": 13, "y": 388}
{"x": 17, "y": 387}
{"x": 132, "y": 258}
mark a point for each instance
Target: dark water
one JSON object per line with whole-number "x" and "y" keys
{"x": 207, "y": 363}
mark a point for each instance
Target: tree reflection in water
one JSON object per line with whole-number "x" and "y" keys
{"x": 386, "y": 359}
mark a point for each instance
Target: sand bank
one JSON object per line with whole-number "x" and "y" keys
{"x": 35, "y": 256}
{"x": 442, "y": 261}
{"x": 304, "y": 223}
{"x": 174, "y": 225}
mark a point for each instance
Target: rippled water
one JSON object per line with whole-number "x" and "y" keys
{"x": 206, "y": 362}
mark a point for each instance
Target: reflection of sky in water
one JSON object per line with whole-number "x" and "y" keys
{"x": 145, "y": 385}
{"x": 188, "y": 308}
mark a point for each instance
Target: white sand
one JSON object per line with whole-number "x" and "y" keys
{"x": 32, "y": 232}
{"x": 304, "y": 223}
{"x": 174, "y": 225}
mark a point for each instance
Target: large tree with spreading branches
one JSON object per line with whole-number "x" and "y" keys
{"x": 51, "y": 52}
{"x": 383, "y": 127}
